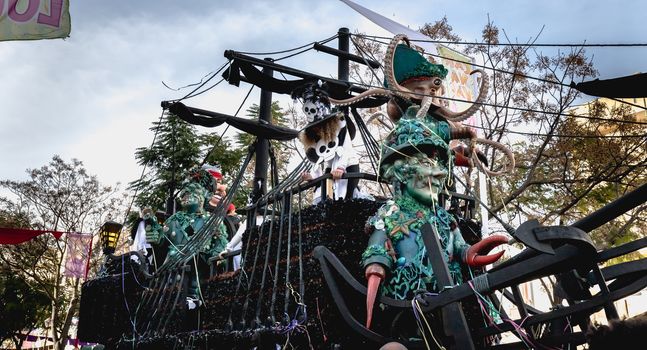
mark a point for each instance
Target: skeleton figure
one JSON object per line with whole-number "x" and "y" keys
{"x": 328, "y": 142}
{"x": 312, "y": 109}
{"x": 329, "y": 146}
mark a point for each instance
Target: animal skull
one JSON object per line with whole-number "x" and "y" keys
{"x": 326, "y": 150}
{"x": 311, "y": 110}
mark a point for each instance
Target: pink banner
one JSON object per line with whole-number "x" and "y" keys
{"x": 78, "y": 253}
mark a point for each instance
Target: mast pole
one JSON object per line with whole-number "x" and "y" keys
{"x": 343, "y": 66}
{"x": 262, "y": 144}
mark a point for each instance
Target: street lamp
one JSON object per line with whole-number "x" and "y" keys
{"x": 109, "y": 235}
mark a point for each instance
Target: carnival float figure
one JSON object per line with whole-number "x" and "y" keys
{"x": 418, "y": 161}
{"x": 412, "y": 80}
{"x": 327, "y": 140}
{"x": 180, "y": 227}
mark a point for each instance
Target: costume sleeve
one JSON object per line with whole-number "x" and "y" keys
{"x": 218, "y": 240}
{"x": 221, "y": 238}
{"x": 376, "y": 251}
{"x": 460, "y": 246}
{"x": 139, "y": 243}
{"x": 316, "y": 171}
{"x": 236, "y": 240}
{"x": 348, "y": 156}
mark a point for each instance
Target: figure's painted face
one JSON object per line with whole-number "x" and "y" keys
{"x": 221, "y": 192}
{"x": 147, "y": 213}
{"x": 425, "y": 178}
{"x": 423, "y": 87}
{"x": 191, "y": 200}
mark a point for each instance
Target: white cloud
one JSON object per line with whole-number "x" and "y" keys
{"x": 94, "y": 95}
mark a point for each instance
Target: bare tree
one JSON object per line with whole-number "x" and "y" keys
{"x": 59, "y": 196}
{"x": 569, "y": 161}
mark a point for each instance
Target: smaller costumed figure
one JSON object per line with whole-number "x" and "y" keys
{"x": 180, "y": 227}
{"x": 328, "y": 142}
{"x": 417, "y": 160}
{"x": 147, "y": 222}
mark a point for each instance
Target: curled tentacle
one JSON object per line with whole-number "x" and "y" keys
{"x": 390, "y": 78}
{"x": 508, "y": 153}
{"x": 364, "y": 95}
{"x": 435, "y": 100}
{"x": 424, "y": 107}
{"x": 393, "y": 111}
{"x": 371, "y": 293}
{"x": 461, "y": 132}
{"x": 460, "y": 116}
{"x": 388, "y": 65}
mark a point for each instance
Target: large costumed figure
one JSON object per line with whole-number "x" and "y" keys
{"x": 418, "y": 161}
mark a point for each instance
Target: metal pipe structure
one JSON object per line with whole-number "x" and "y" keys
{"x": 343, "y": 67}
{"x": 613, "y": 209}
{"x": 233, "y": 55}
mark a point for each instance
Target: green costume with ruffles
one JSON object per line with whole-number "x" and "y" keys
{"x": 397, "y": 244}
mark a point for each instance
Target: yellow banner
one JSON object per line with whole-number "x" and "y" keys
{"x": 34, "y": 19}
{"x": 459, "y": 84}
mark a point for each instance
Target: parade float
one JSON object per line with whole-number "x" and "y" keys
{"x": 348, "y": 271}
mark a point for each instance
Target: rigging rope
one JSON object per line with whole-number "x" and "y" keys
{"x": 276, "y": 265}
{"x": 228, "y": 125}
{"x": 265, "y": 263}
{"x": 507, "y": 44}
{"x": 259, "y": 229}
{"x": 513, "y": 108}
{"x": 190, "y": 94}
{"x": 288, "y": 203}
{"x": 516, "y": 74}
{"x": 293, "y": 49}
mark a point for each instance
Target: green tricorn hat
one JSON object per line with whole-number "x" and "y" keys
{"x": 411, "y": 136}
{"x": 409, "y": 63}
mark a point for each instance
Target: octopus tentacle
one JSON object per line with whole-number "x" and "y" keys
{"x": 364, "y": 95}
{"x": 460, "y": 116}
{"x": 508, "y": 153}
{"x": 424, "y": 107}
{"x": 390, "y": 78}
{"x": 389, "y": 73}
{"x": 435, "y": 100}
{"x": 461, "y": 132}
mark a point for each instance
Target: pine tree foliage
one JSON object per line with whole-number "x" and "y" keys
{"x": 176, "y": 149}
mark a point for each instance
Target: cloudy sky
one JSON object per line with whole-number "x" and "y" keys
{"x": 94, "y": 95}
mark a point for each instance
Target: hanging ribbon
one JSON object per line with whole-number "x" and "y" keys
{"x": 20, "y": 235}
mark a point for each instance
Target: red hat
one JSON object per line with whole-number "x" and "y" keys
{"x": 231, "y": 207}
{"x": 214, "y": 170}
{"x": 215, "y": 174}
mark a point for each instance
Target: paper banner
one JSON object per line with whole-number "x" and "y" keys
{"x": 34, "y": 19}
{"x": 78, "y": 253}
